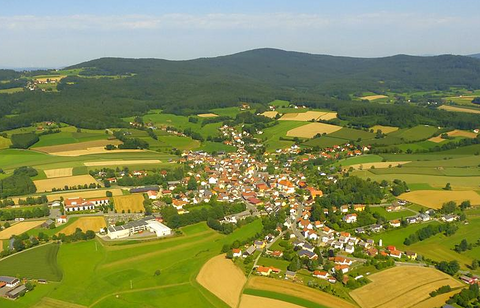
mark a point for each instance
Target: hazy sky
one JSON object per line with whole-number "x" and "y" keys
{"x": 52, "y": 33}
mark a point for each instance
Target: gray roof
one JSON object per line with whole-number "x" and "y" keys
{"x": 131, "y": 224}
{"x": 16, "y": 291}
{"x": 8, "y": 279}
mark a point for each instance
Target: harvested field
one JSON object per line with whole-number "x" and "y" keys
{"x": 74, "y": 147}
{"x": 121, "y": 162}
{"x": 49, "y": 184}
{"x": 270, "y": 114}
{"x": 373, "y": 97}
{"x": 297, "y": 290}
{"x": 437, "y": 301}
{"x": 312, "y": 129}
{"x": 48, "y": 302}
{"x": 384, "y": 129}
{"x": 436, "y": 198}
{"x": 58, "y": 173}
{"x": 94, "y": 150}
{"x": 308, "y": 116}
{"x": 458, "y": 109}
{"x": 221, "y": 277}
{"x": 378, "y": 165}
{"x": 207, "y": 115}
{"x": 50, "y": 78}
{"x": 94, "y": 223}
{"x": 462, "y": 133}
{"x": 84, "y": 194}
{"x": 402, "y": 286}
{"x": 134, "y": 203}
{"x": 250, "y": 301}
{"x": 19, "y": 228}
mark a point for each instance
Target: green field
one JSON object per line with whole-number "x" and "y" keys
{"x": 392, "y": 215}
{"x": 70, "y": 135}
{"x": 283, "y": 297}
{"x": 324, "y": 142}
{"x": 278, "y": 263}
{"x": 11, "y": 90}
{"x": 4, "y": 143}
{"x": 363, "y": 159}
{"x": 36, "y": 263}
{"x": 271, "y": 135}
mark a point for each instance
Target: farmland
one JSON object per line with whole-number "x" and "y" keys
{"x": 94, "y": 223}
{"x": 129, "y": 203}
{"x": 459, "y": 109}
{"x": 19, "y": 228}
{"x": 403, "y": 287}
{"x": 308, "y": 116}
{"x": 312, "y": 129}
{"x": 435, "y": 199}
{"x": 58, "y": 173}
{"x": 57, "y": 183}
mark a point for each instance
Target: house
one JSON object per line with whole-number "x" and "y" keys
{"x": 47, "y": 223}
{"x": 62, "y": 219}
{"x": 10, "y": 282}
{"x": 469, "y": 280}
{"x": 411, "y": 255}
{"x": 343, "y": 268}
{"x": 259, "y": 245}
{"x": 307, "y": 254}
{"x": 395, "y": 223}
{"x": 179, "y": 204}
{"x": 450, "y": 218}
{"x": 266, "y": 271}
{"x": 314, "y": 193}
{"x": 321, "y": 274}
{"x": 359, "y": 207}
{"x": 152, "y": 195}
{"x": 277, "y": 254}
{"x": 236, "y": 252}
{"x": 349, "y": 249}
{"x": 15, "y": 293}
{"x": 290, "y": 275}
{"x": 80, "y": 204}
{"x": 350, "y": 218}
{"x": 395, "y": 254}
{"x": 250, "y": 250}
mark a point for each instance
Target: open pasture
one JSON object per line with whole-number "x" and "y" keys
{"x": 271, "y": 135}
{"x": 308, "y": 116}
{"x": 384, "y": 129}
{"x": 312, "y": 129}
{"x": 129, "y": 203}
{"x": 94, "y": 223}
{"x": 221, "y": 277}
{"x": 69, "y": 134}
{"x": 436, "y": 198}
{"x": 50, "y": 184}
{"x": 402, "y": 286}
{"x": 121, "y": 162}
{"x": 459, "y": 109}
{"x": 19, "y": 228}
{"x": 58, "y": 173}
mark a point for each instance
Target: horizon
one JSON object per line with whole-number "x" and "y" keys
{"x": 59, "y": 34}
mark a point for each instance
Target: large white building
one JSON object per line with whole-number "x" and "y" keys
{"x": 80, "y": 204}
{"x": 146, "y": 224}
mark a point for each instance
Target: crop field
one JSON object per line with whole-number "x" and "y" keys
{"x": 129, "y": 203}
{"x": 271, "y": 135}
{"x": 207, "y": 115}
{"x": 308, "y": 116}
{"x": 221, "y": 277}
{"x": 402, "y": 286}
{"x": 297, "y": 290}
{"x": 70, "y": 135}
{"x": 378, "y": 165}
{"x": 121, "y": 162}
{"x": 459, "y": 109}
{"x": 252, "y": 301}
{"x": 36, "y": 263}
{"x": 50, "y": 184}
{"x": 324, "y": 142}
{"x": 435, "y": 199}
{"x": 19, "y": 228}
{"x": 94, "y": 223}
{"x": 415, "y": 133}
{"x": 352, "y": 134}
{"x": 462, "y": 133}
{"x": 384, "y": 129}
{"x": 11, "y": 90}
{"x": 4, "y": 142}
{"x": 75, "y": 148}
{"x": 312, "y": 129}
{"x": 373, "y": 97}
{"x": 363, "y": 159}
{"x": 229, "y": 111}
{"x": 97, "y": 193}
{"x": 58, "y": 173}
{"x": 270, "y": 114}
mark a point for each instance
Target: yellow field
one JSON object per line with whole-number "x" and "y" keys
{"x": 270, "y": 114}
{"x": 462, "y": 133}
{"x": 373, "y": 97}
{"x": 134, "y": 203}
{"x": 308, "y": 116}
{"x": 436, "y": 198}
{"x": 384, "y": 129}
{"x": 458, "y": 109}
{"x": 80, "y": 148}
{"x": 378, "y": 165}
{"x": 19, "y": 228}
{"x": 221, "y": 277}
{"x": 84, "y": 194}
{"x": 121, "y": 162}
{"x": 94, "y": 223}
{"x": 4, "y": 143}
{"x": 250, "y": 301}
{"x": 402, "y": 286}
{"x": 207, "y": 115}
{"x": 54, "y": 78}
{"x": 297, "y": 290}
{"x": 310, "y": 130}
{"x": 58, "y": 173}
{"x": 437, "y": 301}
{"x": 49, "y": 184}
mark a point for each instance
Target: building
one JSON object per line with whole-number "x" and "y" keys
{"x": 15, "y": 293}
{"x": 10, "y": 282}
{"x": 350, "y": 218}
{"x": 146, "y": 224}
{"x": 81, "y": 204}
{"x": 236, "y": 252}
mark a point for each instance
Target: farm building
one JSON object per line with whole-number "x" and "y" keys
{"x": 10, "y": 282}
{"x": 146, "y": 224}
{"x": 144, "y": 189}
{"x": 15, "y": 293}
{"x": 81, "y": 204}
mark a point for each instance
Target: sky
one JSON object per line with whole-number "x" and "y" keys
{"x": 57, "y": 33}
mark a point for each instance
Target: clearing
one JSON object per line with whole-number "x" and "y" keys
{"x": 297, "y": 290}
{"x": 459, "y": 109}
{"x": 207, "y": 115}
{"x": 373, "y": 97}
{"x": 251, "y": 301}
{"x": 50, "y": 184}
{"x": 436, "y": 198}
{"x": 129, "y": 203}
{"x": 94, "y": 223}
{"x": 270, "y": 114}
{"x": 309, "y": 116}
{"x": 221, "y": 277}
{"x": 384, "y": 129}
{"x": 58, "y": 173}
{"x": 121, "y": 162}
{"x": 19, "y": 228}
{"x": 402, "y": 286}
{"x": 312, "y": 129}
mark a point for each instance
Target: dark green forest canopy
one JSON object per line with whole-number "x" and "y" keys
{"x": 258, "y": 76}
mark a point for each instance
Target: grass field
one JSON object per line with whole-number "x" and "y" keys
{"x": 49, "y": 184}
{"x": 392, "y": 215}
{"x": 36, "y": 263}
{"x": 129, "y": 203}
{"x": 94, "y": 223}
{"x": 312, "y": 129}
{"x": 70, "y": 135}
{"x": 4, "y": 143}
{"x": 401, "y": 287}
{"x": 121, "y": 162}
{"x": 11, "y": 90}
{"x": 271, "y": 135}
{"x": 436, "y": 198}
{"x": 384, "y": 129}
{"x": 259, "y": 298}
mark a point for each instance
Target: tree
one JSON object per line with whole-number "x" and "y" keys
{"x": 474, "y": 264}
{"x": 192, "y": 183}
{"x": 448, "y": 187}
{"x": 295, "y": 264}
{"x": 157, "y": 273}
{"x": 449, "y": 207}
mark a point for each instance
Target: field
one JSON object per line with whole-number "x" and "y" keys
{"x": 58, "y": 173}
{"x": 308, "y": 116}
{"x": 11, "y": 90}
{"x": 373, "y": 97}
{"x": 129, "y": 203}
{"x": 221, "y": 277}
{"x": 19, "y": 228}
{"x": 69, "y": 135}
{"x": 270, "y": 114}
{"x": 271, "y": 136}
{"x": 97, "y": 193}
{"x": 94, "y": 223}
{"x": 297, "y": 290}
{"x": 459, "y": 109}
{"x": 121, "y": 162}
{"x": 378, "y": 165}
{"x": 435, "y": 198}
{"x": 4, "y": 143}
{"x": 49, "y": 184}
{"x": 207, "y": 115}
{"x": 402, "y": 286}
{"x": 37, "y": 263}
{"x": 77, "y": 149}
{"x": 312, "y": 129}
{"x": 251, "y": 301}
{"x": 384, "y": 129}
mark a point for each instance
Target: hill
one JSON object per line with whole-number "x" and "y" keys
{"x": 477, "y": 55}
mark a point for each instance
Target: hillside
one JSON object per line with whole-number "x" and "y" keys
{"x": 477, "y": 55}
